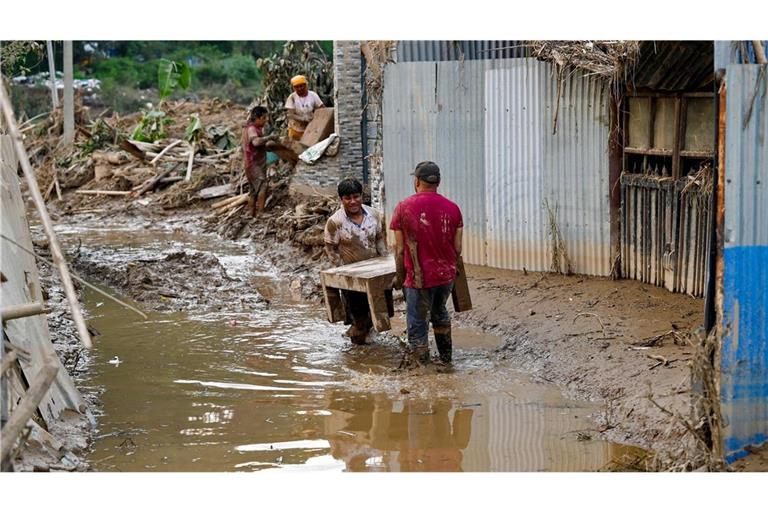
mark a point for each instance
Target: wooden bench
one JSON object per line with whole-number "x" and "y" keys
{"x": 374, "y": 278}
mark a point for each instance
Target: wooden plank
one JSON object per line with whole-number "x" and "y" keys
{"x": 217, "y": 191}
{"x": 462, "y": 301}
{"x": 320, "y": 127}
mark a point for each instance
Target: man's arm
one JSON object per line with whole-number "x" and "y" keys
{"x": 333, "y": 254}
{"x": 257, "y": 141}
{"x": 292, "y": 114}
{"x": 457, "y": 241}
{"x": 399, "y": 279}
{"x": 331, "y": 244}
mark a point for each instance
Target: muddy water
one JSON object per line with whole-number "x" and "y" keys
{"x": 279, "y": 389}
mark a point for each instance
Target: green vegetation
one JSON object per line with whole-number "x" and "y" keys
{"x": 128, "y": 70}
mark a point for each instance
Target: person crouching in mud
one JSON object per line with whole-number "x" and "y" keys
{"x": 255, "y": 146}
{"x": 355, "y": 233}
{"x": 428, "y": 231}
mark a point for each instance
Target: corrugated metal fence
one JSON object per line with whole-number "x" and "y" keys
{"x": 744, "y": 356}
{"x": 489, "y": 125}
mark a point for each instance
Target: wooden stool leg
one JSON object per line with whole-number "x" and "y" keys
{"x": 378, "y": 304}
{"x": 334, "y": 306}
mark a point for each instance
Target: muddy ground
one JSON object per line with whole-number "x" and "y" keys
{"x": 614, "y": 342}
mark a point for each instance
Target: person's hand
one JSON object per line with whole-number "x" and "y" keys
{"x": 274, "y": 137}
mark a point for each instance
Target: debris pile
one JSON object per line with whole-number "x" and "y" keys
{"x": 176, "y": 281}
{"x": 610, "y": 59}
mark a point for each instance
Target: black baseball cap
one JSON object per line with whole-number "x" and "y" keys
{"x": 427, "y": 171}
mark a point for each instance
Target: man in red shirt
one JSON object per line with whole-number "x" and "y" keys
{"x": 255, "y": 146}
{"x": 428, "y": 230}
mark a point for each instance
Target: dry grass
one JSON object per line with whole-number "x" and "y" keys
{"x": 560, "y": 261}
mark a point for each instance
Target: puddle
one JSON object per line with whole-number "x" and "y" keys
{"x": 279, "y": 389}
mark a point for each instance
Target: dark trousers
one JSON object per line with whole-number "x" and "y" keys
{"x": 425, "y": 305}
{"x": 358, "y": 314}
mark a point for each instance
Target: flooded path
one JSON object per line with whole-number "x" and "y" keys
{"x": 278, "y": 388}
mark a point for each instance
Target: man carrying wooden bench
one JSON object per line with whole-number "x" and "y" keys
{"x": 355, "y": 233}
{"x": 428, "y": 231}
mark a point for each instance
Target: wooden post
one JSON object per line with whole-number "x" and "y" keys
{"x": 52, "y": 74}
{"x": 37, "y": 197}
{"x": 69, "y": 96}
{"x": 27, "y": 407}
{"x": 191, "y": 161}
{"x": 21, "y": 311}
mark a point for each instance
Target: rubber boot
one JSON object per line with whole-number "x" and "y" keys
{"x": 444, "y": 345}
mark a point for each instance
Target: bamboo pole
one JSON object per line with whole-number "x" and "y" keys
{"x": 69, "y": 96}
{"x": 37, "y": 197}
{"x": 52, "y": 74}
{"x": 8, "y": 360}
{"x": 26, "y": 408}
{"x": 22, "y": 311}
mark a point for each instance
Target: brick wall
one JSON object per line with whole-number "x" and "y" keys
{"x": 347, "y": 99}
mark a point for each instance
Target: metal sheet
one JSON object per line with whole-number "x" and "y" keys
{"x": 488, "y": 124}
{"x": 434, "y": 111}
{"x": 744, "y": 356}
{"x": 431, "y": 51}
{"x": 527, "y": 165}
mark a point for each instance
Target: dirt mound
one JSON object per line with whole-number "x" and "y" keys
{"x": 176, "y": 281}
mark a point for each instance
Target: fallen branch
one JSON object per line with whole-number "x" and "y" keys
{"x": 104, "y": 192}
{"x": 153, "y": 182}
{"x": 225, "y": 202}
{"x": 594, "y": 315}
{"x": 164, "y": 151}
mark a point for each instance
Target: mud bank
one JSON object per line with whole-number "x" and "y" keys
{"x": 618, "y": 342}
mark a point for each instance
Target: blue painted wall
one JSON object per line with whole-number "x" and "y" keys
{"x": 744, "y": 354}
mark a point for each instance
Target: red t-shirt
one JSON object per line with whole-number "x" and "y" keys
{"x": 430, "y": 221}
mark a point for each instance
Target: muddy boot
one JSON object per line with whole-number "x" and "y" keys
{"x": 444, "y": 346}
{"x": 414, "y": 358}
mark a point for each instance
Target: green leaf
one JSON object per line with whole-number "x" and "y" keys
{"x": 167, "y": 77}
{"x": 185, "y": 75}
{"x": 194, "y": 129}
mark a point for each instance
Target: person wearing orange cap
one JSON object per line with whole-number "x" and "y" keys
{"x": 300, "y": 106}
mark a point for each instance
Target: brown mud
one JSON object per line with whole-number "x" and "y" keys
{"x": 277, "y": 387}
{"x": 617, "y": 343}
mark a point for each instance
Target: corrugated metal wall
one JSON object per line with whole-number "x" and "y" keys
{"x": 744, "y": 355}
{"x": 489, "y": 125}
{"x": 424, "y": 51}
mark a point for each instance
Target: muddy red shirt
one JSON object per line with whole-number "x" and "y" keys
{"x": 255, "y": 158}
{"x": 429, "y": 222}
